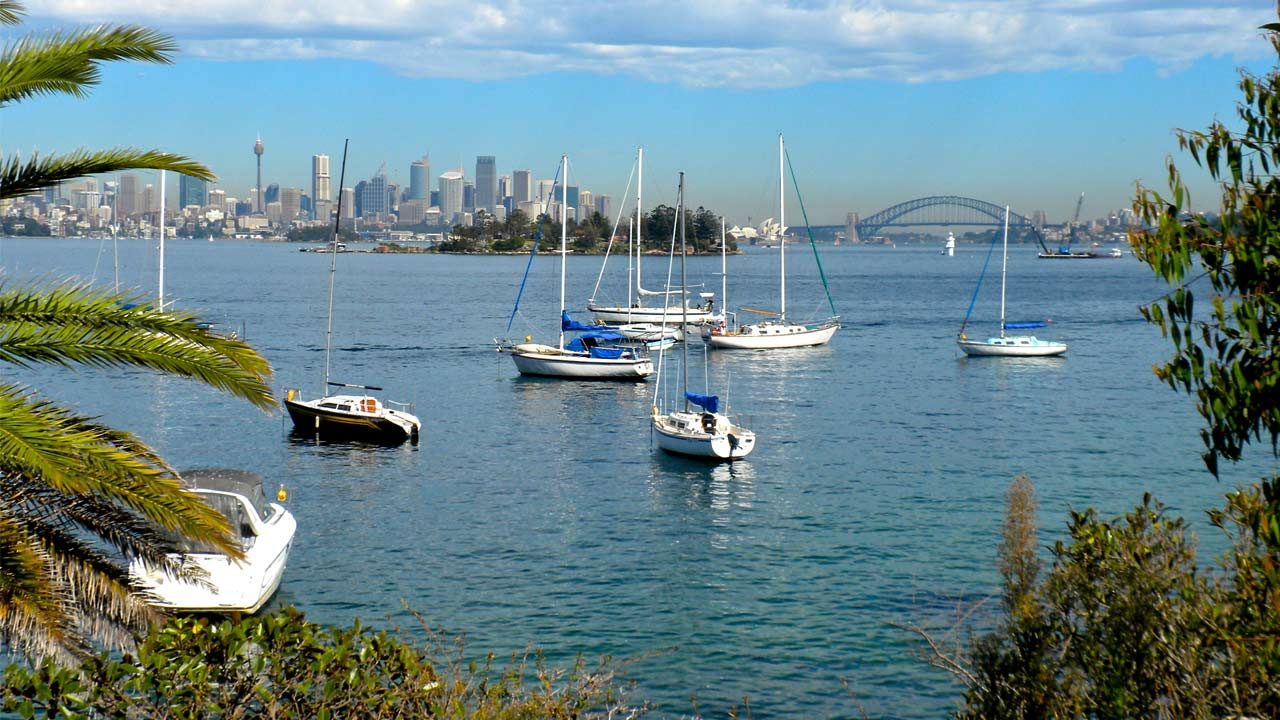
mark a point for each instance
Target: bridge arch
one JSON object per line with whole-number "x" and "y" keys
{"x": 943, "y": 210}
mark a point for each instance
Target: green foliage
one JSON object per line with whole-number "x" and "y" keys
{"x": 281, "y": 666}
{"x": 1125, "y": 625}
{"x": 321, "y": 234}
{"x": 1225, "y": 348}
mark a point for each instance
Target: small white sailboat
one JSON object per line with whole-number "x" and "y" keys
{"x": 264, "y": 531}
{"x": 705, "y": 432}
{"x": 341, "y": 417}
{"x": 776, "y": 332}
{"x": 594, "y": 354}
{"x": 1006, "y": 345}
{"x": 635, "y": 318}
{"x": 949, "y": 248}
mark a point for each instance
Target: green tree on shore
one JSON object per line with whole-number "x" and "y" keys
{"x": 78, "y": 498}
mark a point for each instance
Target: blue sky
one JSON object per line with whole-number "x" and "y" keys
{"x": 1028, "y": 103}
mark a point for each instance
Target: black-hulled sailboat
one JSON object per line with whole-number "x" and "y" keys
{"x": 358, "y": 416}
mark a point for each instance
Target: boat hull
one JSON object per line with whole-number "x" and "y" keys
{"x": 770, "y": 336}
{"x": 657, "y": 316}
{"x": 388, "y": 426}
{"x": 1013, "y": 346}
{"x": 733, "y": 444}
{"x": 552, "y": 363}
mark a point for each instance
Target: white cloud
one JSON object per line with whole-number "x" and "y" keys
{"x": 745, "y": 44}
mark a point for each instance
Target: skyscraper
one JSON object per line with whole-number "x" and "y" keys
{"x": 521, "y": 186}
{"x": 320, "y": 191}
{"x": 273, "y": 193}
{"x": 450, "y": 195}
{"x": 604, "y": 206}
{"x": 258, "y": 150}
{"x": 290, "y": 204}
{"x": 374, "y": 203}
{"x": 420, "y": 179}
{"x": 191, "y": 191}
{"x": 348, "y": 204}
{"x": 127, "y": 200}
{"x": 504, "y": 188}
{"x": 486, "y": 182}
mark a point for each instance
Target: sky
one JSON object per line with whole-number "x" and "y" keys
{"x": 1020, "y": 102}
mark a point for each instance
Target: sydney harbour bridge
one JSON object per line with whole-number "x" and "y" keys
{"x": 936, "y": 210}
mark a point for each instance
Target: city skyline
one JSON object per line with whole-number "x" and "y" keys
{"x": 1033, "y": 127}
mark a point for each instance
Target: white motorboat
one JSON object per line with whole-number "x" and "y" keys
{"x": 705, "y": 432}
{"x": 596, "y": 354}
{"x": 1007, "y": 345}
{"x": 264, "y": 531}
{"x": 343, "y": 417}
{"x": 635, "y": 312}
{"x": 776, "y": 332}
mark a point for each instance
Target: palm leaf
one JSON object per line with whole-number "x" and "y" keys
{"x": 75, "y": 457}
{"x": 75, "y": 324}
{"x": 10, "y": 12}
{"x": 34, "y": 617}
{"x": 68, "y": 63}
{"x": 18, "y": 178}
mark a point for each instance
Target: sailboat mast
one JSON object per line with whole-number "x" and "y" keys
{"x": 333, "y": 267}
{"x": 631, "y": 236}
{"x": 639, "y": 226}
{"x": 724, "y": 276}
{"x": 1004, "y": 267}
{"x": 161, "y": 273}
{"x": 684, "y": 306}
{"x": 782, "y": 233}
{"x": 564, "y": 235}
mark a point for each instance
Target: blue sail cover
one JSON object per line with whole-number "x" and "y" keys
{"x": 710, "y": 403}
{"x": 568, "y": 324}
{"x": 607, "y": 353}
{"x": 590, "y": 340}
{"x": 1023, "y": 325}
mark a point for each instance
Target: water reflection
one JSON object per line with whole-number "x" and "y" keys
{"x": 699, "y": 484}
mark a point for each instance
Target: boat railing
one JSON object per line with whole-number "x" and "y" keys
{"x": 405, "y": 407}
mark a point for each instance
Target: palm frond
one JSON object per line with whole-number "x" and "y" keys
{"x": 34, "y": 617}
{"x": 74, "y": 457}
{"x": 68, "y": 63}
{"x": 76, "y": 324}
{"x": 11, "y": 12}
{"x": 18, "y": 178}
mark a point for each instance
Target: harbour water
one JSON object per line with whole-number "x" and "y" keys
{"x": 536, "y": 513}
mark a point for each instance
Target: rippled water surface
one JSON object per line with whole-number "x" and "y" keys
{"x": 535, "y": 512}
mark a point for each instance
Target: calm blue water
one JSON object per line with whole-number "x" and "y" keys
{"x": 536, "y": 513}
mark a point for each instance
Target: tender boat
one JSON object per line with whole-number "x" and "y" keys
{"x": 264, "y": 531}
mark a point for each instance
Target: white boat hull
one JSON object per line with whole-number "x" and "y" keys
{"x": 770, "y": 336}
{"x": 679, "y": 433}
{"x": 1012, "y": 346}
{"x": 546, "y": 361}
{"x": 657, "y": 316}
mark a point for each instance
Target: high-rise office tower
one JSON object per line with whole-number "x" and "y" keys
{"x": 272, "y": 194}
{"x": 217, "y": 199}
{"x": 290, "y": 204}
{"x": 521, "y": 187}
{"x": 544, "y": 190}
{"x": 191, "y": 191}
{"x": 450, "y": 195}
{"x": 348, "y": 204}
{"x": 468, "y": 196}
{"x": 486, "y": 182}
{"x": 127, "y": 200}
{"x": 393, "y": 196}
{"x": 420, "y": 179}
{"x": 320, "y": 190}
{"x": 374, "y": 203}
{"x": 504, "y": 188}
{"x": 604, "y": 206}
{"x": 258, "y": 150}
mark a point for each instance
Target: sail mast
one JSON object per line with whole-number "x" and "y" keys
{"x": 724, "y": 276}
{"x": 1004, "y": 267}
{"x": 564, "y": 234}
{"x": 782, "y": 233}
{"x": 161, "y": 289}
{"x": 333, "y": 267}
{"x": 684, "y": 306}
{"x": 631, "y": 235}
{"x": 640, "y": 226}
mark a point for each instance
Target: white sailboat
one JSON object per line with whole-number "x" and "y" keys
{"x": 1007, "y": 345}
{"x": 705, "y": 432}
{"x": 349, "y": 416}
{"x": 635, "y": 313}
{"x": 775, "y": 332}
{"x": 591, "y": 355}
{"x": 264, "y": 530}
